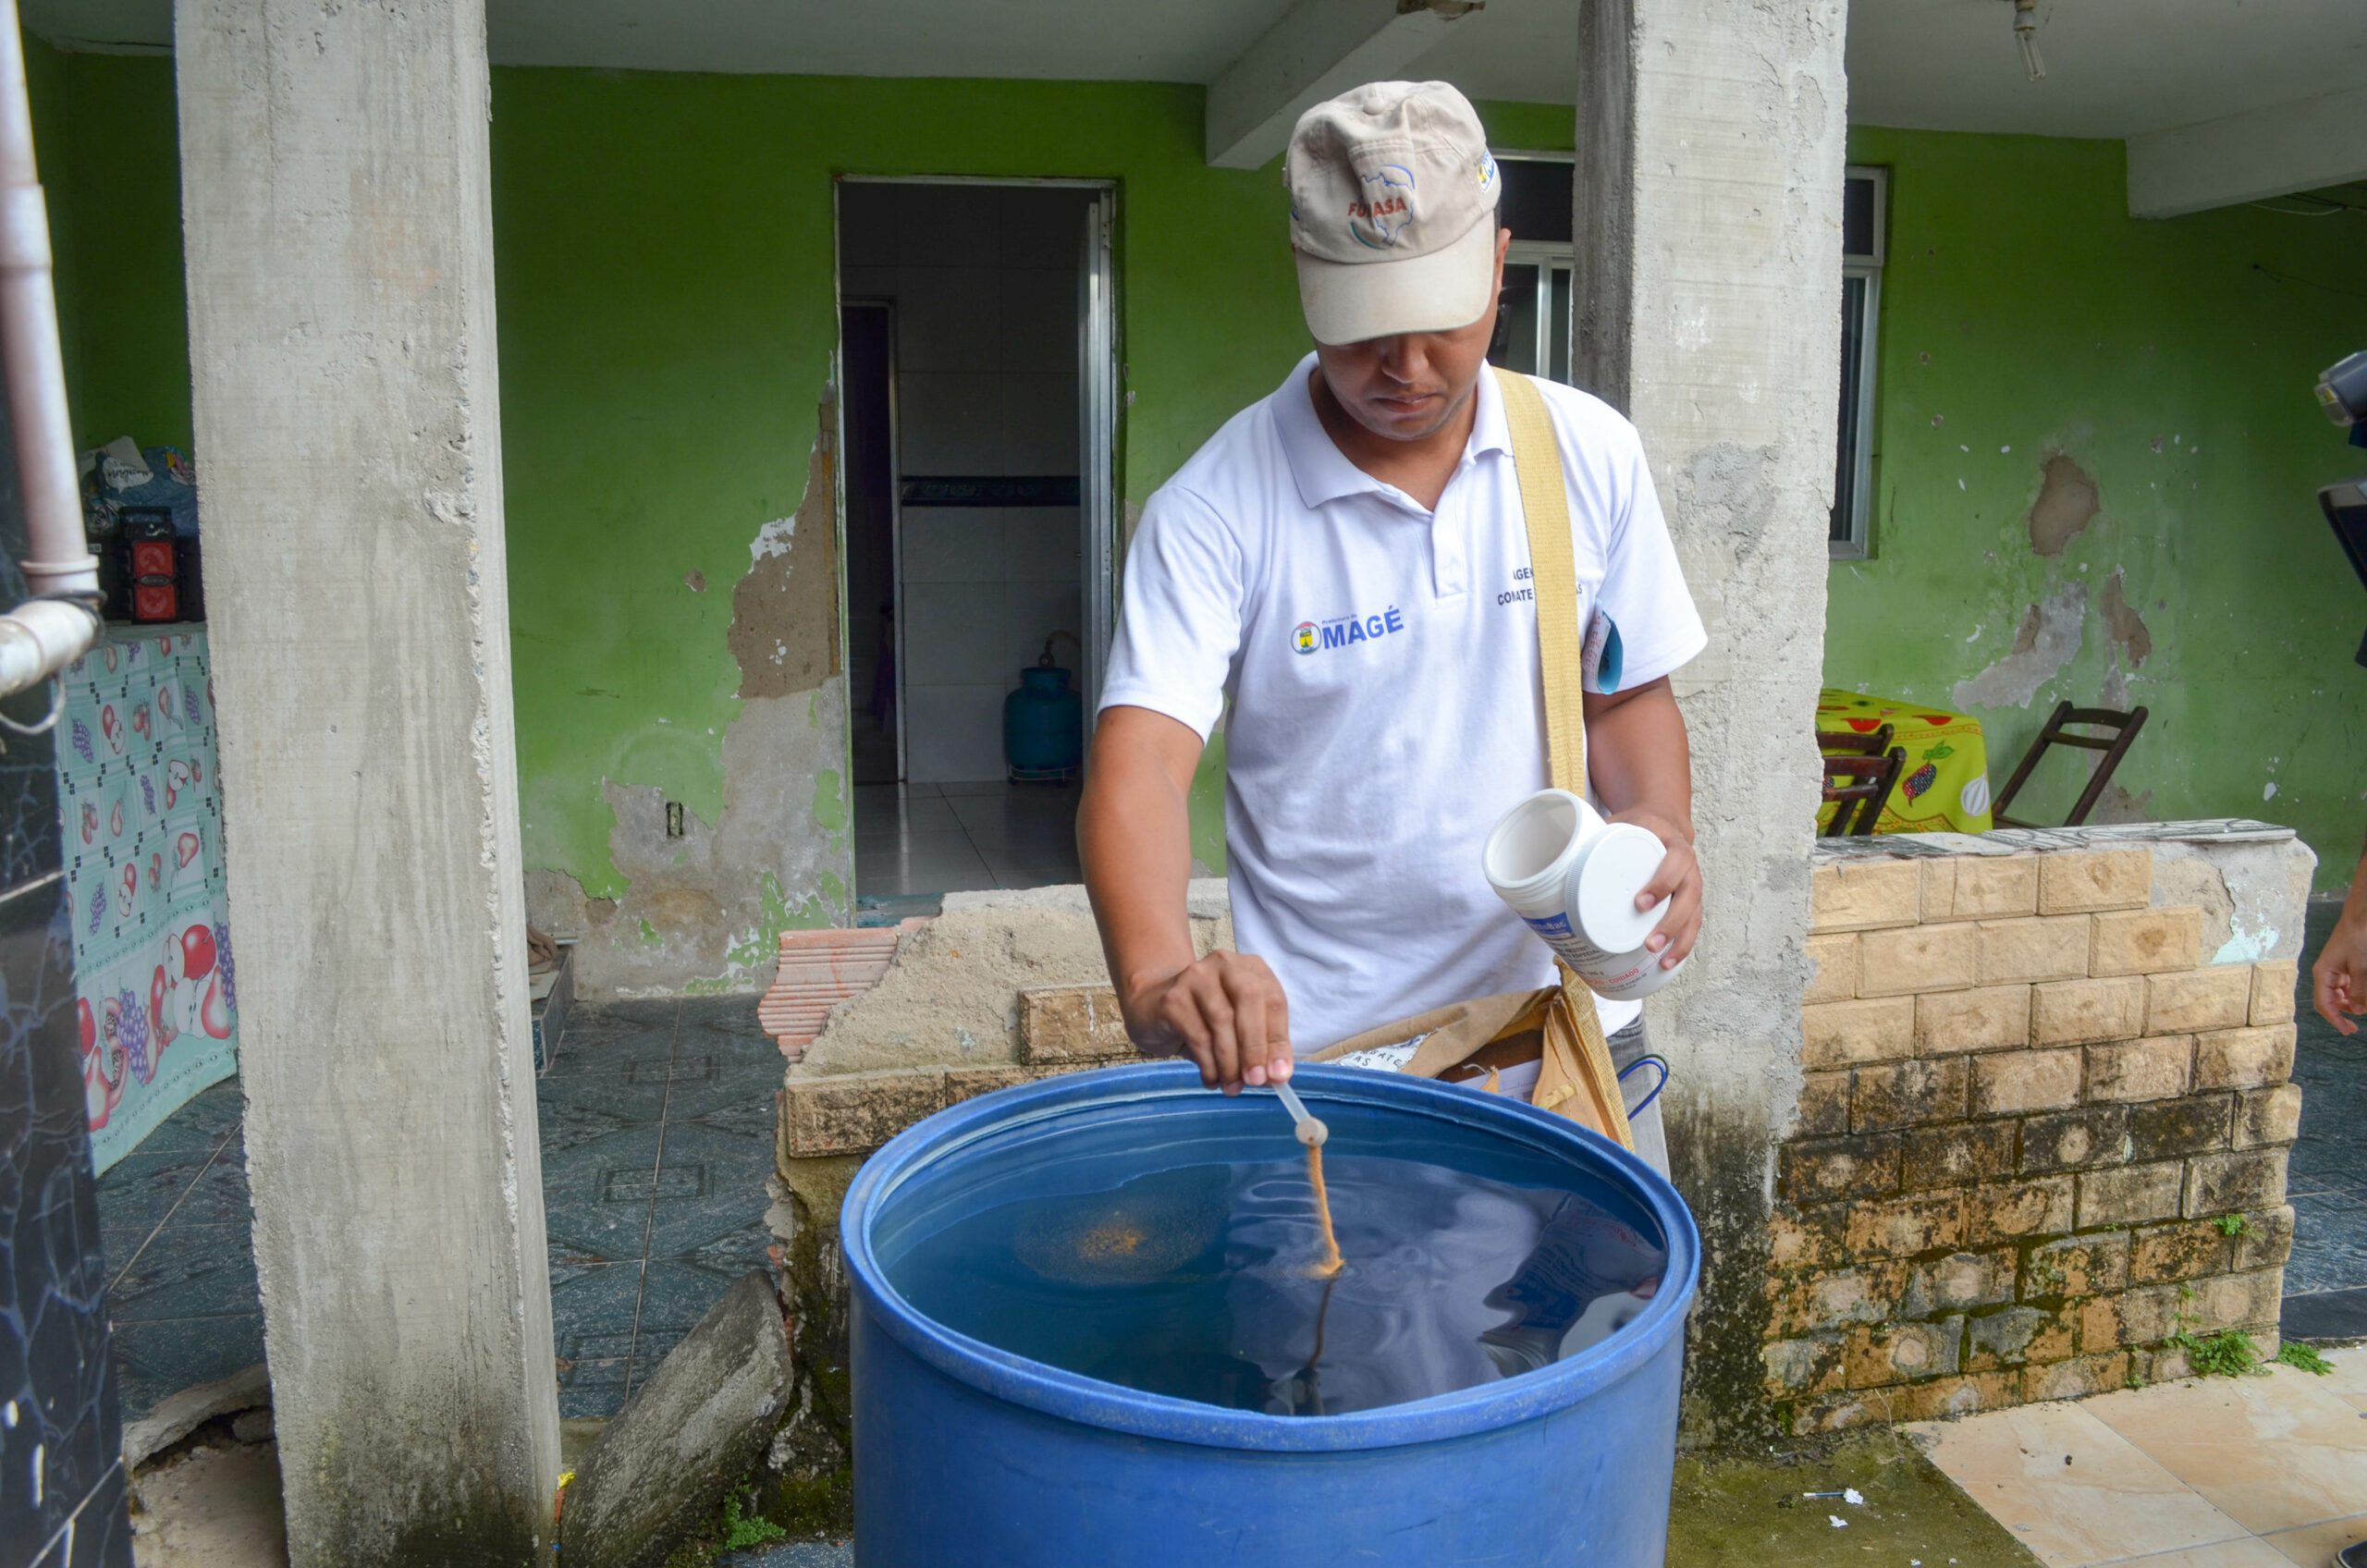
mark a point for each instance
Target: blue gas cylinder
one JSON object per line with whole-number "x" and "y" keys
{"x": 1043, "y": 725}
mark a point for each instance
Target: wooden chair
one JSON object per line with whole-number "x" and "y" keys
{"x": 1849, "y": 743}
{"x": 2124, "y": 728}
{"x": 1860, "y": 802}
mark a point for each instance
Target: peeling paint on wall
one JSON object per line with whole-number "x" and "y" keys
{"x": 785, "y": 611}
{"x": 2066, "y": 503}
{"x": 2123, "y": 624}
{"x": 2049, "y": 637}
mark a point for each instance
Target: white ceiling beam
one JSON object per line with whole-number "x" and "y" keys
{"x": 2260, "y": 152}
{"x": 1318, "y": 50}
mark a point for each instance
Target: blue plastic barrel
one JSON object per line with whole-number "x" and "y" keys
{"x": 966, "y": 1455}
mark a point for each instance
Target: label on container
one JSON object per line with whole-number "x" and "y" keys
{"x": 1574, "y": 949}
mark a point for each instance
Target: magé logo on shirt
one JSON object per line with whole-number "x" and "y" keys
{"x": 1312, "y": 636}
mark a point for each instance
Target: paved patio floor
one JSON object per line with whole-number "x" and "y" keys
{"x": 2261, "y": 1472}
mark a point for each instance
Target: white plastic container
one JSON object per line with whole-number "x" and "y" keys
{"x": 1574, "y": 879}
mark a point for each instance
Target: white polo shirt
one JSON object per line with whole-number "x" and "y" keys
{"x": 1386, "y": 693}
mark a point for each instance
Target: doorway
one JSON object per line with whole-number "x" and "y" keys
{"x": 977, "y": 365}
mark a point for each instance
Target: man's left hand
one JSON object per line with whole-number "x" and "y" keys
{"x": 1679, "y": 881}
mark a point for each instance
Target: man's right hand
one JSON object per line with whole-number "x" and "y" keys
{"x": 2340, "y": 977}
{"x": 1226, "y": 1011}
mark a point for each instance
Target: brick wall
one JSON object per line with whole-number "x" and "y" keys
{"x": 2038, "y": 1140}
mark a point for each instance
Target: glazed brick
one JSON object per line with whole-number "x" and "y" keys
{"x": 2094, "y": 879}
{"x": 1980, "y": 886}
{"x": 1867, "y": 1292}
{"x": 2268, "y": 1115}
{"x": 857, "y": 1113}
{"x": 2217, "y": 998}
{"x": 1807, "y": 1238}
{"x": 2146, "y": 941}
{"x": 1918, "y": 958}
{"x": 1837, "y": 1168}
{"x": 2043, "y": 949}
{"x": 2130, "y": 1195}
{"x": 2075, "y": 1140}
{"x": 1898, "y": 1352}
{"x": 2008, "y": 1083}
{"x": 1906, "y": 1093}
{"x": 1825, "y": 1104}
{"x": 2230, "y": 1183}
{"x": 2184, "y": 1250}
{"x": 1990, "y": 1018}
{"x": 1865, "y": 895}
{"x": 1904, "y": 1227}
{"x": 1944, "y": 1157}
{"x": 1844, "y": 1034}
{"x": 2076, "y": 1378}
{"x": 2014, "y": 1335}
{"x": 2071, "y": 1012}
{"x": 2141, "y": 1070}
{"x": 1834, "y": 979}
{"x": 1958, "y": 1281}
{"x": 2274, "y": 991}
{"x": 2076, "y": 1265}
{"x": 2266, "y": 1240}
{"x": 1072, "y": 1024}
{"x": 2167, "y": 1128}
{"x": 2244, "y": 1059}
{"x": 2005, "y": 1212}
{"x": 1808, "y": 1366}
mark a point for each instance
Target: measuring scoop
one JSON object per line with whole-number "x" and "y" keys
{"x": 1311, "y": 1129}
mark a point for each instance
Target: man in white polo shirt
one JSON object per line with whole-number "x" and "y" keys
{"x": 1346, "y": 563}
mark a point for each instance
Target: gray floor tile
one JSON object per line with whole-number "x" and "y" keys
{"x": 596, "y": 1195}
{"x": 593, "y": 1314}
{"x": 144, "y": 1186}
{"x": 726, "y": 1088}
{"x": 188, "y": 1272}
{"x": 710, "y": 1183}
{"x": 592, "y": 1391}
{"x": 170, "y": 1355}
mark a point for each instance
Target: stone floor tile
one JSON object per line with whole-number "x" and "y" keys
{"x": 2110, "y": 1501}
{"x": 188, "y": 1272}
{"x": 2316, "y": 1544}
{"x": 2245, "y": 1552}
{"x": 2271, "y": 1452}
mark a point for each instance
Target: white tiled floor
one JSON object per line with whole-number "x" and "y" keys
{"x": 2213, "y": 1473}
{"x": 921, "y": 839}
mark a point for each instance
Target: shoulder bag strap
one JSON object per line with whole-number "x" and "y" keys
{"x": 1545, "y": 509}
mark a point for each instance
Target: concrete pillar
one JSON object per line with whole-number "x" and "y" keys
{"x": 336, "y": 197}
{"x": 1707, "y": 287}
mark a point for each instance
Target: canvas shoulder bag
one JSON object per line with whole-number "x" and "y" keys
{"x": 1574, "y": 1074}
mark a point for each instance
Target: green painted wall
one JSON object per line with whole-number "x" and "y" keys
{"x": 663, "y": 249}
{"x": 109, "y": 151}
{"x": 667, "y": 314}
{"x": 2024, "y": 312}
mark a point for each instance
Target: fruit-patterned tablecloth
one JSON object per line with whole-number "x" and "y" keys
{"x": 1944, "y": 788}
{"x": 136, "y": 758}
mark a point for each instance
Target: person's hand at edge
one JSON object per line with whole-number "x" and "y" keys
{"x": 1226, "y": 1011}
{"x": 1679, "y": 881}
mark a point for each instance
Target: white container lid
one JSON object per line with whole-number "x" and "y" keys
{"x": 1603, "y": 889}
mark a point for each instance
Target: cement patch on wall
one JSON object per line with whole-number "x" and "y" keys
{"x": 951, "y": 996}
{"x": 705, "y": 912}
{"x": 2049, "y": 637}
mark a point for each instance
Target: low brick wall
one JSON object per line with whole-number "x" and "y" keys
{"x": 2041, "y": 1141}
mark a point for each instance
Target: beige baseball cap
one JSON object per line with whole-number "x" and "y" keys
{"x": 1393, "y": 193}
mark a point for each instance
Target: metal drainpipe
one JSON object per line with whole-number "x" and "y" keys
{"x": 60, "y": 623}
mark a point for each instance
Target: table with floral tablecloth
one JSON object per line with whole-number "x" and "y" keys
{"x": 144, "y": 884}
{"x": 1944, "y": 786}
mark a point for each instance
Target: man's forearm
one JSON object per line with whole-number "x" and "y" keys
{"x": 1637, "y": 756}
{"x": 1134, "y": 838}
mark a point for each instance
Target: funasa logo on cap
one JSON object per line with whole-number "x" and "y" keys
{"x": 1387, "y": 207}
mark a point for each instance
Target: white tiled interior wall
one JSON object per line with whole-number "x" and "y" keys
{"x": 984, "y": 279}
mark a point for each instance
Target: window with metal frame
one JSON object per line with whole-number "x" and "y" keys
{"x": 1863, "y": 222}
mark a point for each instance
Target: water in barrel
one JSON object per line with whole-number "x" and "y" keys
{"x": 1202, "y": 1280}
